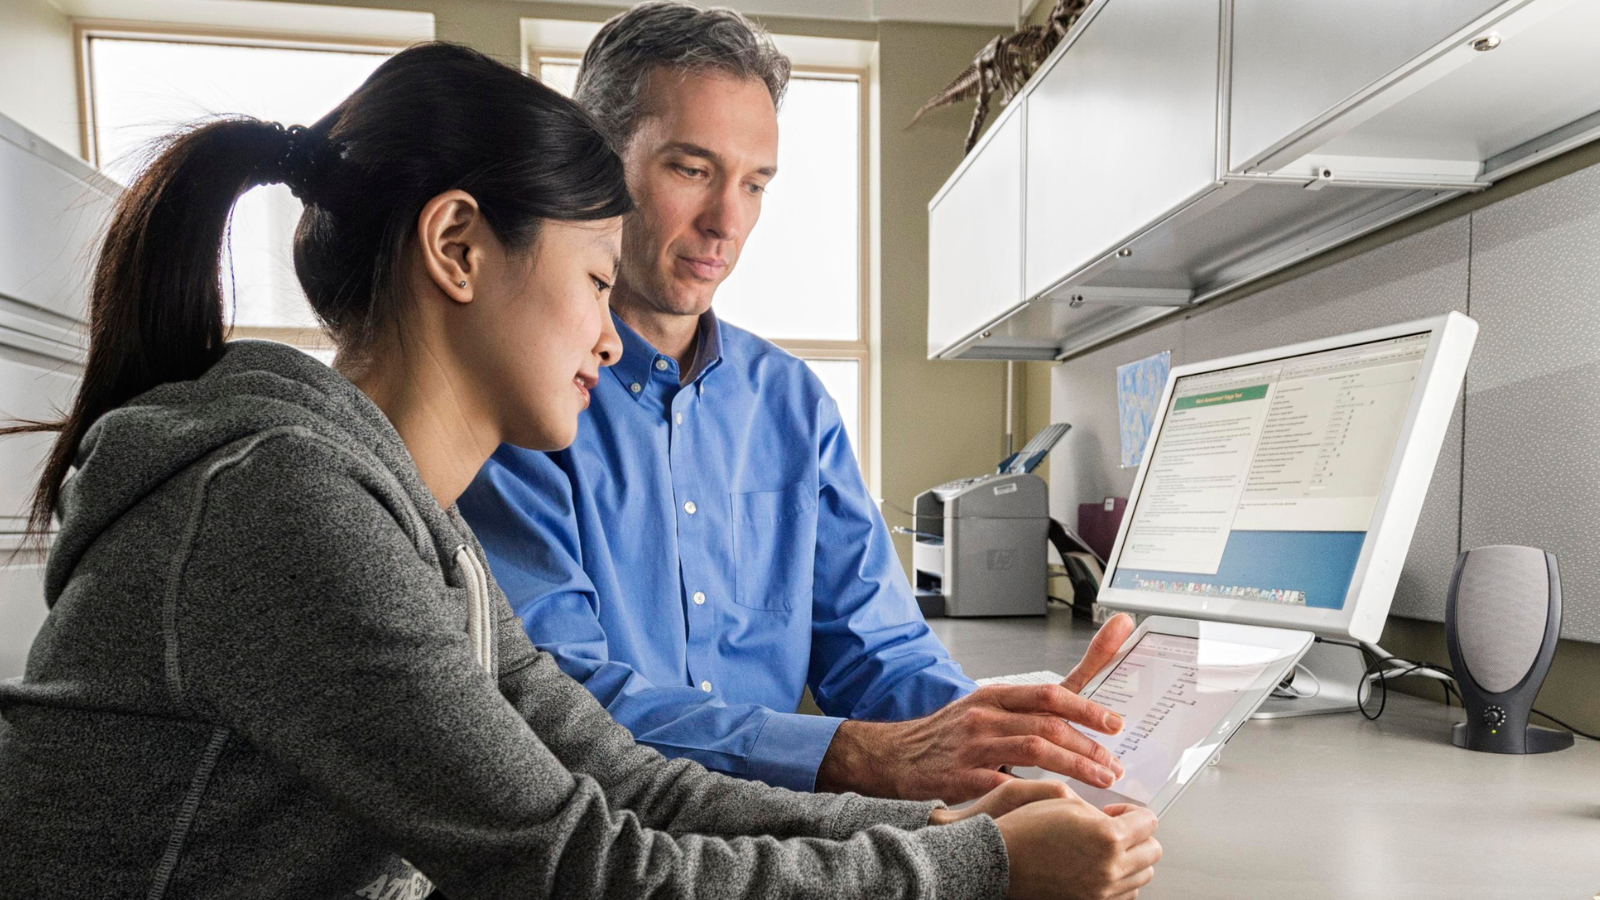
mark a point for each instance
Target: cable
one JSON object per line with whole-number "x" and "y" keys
{"x": 1373, "y": 667}
{"x": 1566, "y": 726}
{"x": 1423, "y": 669}
{"x": 1446, "y": 677}
{"x": 1383, "y": 682}
{"x": 1438, "y": 672}
{"x": 1451, "y": 690}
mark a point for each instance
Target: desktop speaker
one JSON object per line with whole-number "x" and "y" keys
{"x": 1501, "y": 621}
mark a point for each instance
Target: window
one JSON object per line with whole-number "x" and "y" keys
{"x": 560, "y": 72}
{"x": 801, "y": 279}
{"x": 140, "y": 86}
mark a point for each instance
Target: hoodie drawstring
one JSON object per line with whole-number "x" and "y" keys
{"x": 480, "y": 628}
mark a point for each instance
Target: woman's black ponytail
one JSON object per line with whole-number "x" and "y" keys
{"x": 433, "y": 118}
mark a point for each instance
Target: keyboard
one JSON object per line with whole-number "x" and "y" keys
{"x": 1045, "y": 677}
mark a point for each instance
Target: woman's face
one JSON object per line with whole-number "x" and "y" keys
{"x": 544, "y": 330}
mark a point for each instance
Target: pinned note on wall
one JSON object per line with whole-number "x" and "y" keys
{"x": 1139, "y": 387}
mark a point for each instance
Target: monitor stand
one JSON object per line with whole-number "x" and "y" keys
{"x": 1335, "y": 675}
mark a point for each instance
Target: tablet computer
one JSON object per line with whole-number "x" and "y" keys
{"x": 1182, "y": 688}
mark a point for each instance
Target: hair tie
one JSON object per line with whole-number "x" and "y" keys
{"x": 305, "y": 160}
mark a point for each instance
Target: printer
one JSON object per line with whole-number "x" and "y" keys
{"x": 979, "y": 546}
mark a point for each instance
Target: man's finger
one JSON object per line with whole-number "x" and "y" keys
{"x": 1058, "y": 732}
{"x": 974, "y": 783}
{"x": 1054, "y": 700}
{"x": 1107, "y": 641}
{"x": 1033, "y": 750}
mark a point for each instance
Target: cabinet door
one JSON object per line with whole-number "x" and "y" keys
{"x": 31, "y": 387}
{"x": 975, "y": 239}
{"x": 50, "y": 225}
{"x": 1121, "y": 130}
{"x": 1294, "y": 60}
{"x": 22, "y": 611}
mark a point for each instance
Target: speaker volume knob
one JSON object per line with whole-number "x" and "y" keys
{"x": 1494, "y": 717}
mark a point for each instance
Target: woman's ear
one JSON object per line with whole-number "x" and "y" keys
{"x": 450, "y": 234}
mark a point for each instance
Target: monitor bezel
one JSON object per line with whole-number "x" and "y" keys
{"x": 1394, "y": 520}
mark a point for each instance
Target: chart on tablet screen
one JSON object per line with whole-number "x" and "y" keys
{"x": 1170, "y": 698}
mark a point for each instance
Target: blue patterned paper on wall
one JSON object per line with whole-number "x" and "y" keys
{"x": 1139, "y": 386}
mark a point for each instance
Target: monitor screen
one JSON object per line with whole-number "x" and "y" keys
{"x": 1264, "y": 478}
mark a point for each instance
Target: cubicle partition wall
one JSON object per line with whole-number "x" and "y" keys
{"x": 52, "y": 210}
{"x": 1519, "y": 464}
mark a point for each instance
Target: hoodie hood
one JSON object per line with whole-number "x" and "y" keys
{"x": 135, "y": 449}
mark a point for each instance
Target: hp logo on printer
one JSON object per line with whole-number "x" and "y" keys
{"x": 1002, "y": 559}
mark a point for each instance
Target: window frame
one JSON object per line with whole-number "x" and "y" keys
{"x": 860, "y": 349}
{"x": 86, "y": 30}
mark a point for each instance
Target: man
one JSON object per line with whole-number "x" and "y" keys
{"x": 707, "y": 550}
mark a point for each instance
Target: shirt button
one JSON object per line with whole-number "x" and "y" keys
{"x": 705, "y": 686}
{"x": 689, "y": 507}
{"x": 661, "y": 365}
{"x": 635, "y": 387}
{"x": 678, "y": 418}
{"x": 700, "y": 388}
{"x": 699, "y": 598}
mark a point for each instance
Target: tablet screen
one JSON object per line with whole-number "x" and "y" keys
{"x": 1171, "y": 692}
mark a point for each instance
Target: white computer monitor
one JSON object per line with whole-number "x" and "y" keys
{"x": 1282, "y": 487}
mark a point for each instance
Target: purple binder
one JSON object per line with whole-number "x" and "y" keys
{"x": 1098, "y": 523}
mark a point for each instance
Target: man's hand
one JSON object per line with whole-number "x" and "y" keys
{"x": 1107, "y": 641}
{"x": 955, "y": 754}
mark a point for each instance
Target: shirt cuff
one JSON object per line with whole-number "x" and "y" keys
{"x": 789, "y": 750}
{"x": 859, "y": 813}
{"x": 969, "y": 859}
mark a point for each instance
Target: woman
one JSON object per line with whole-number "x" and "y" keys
{"x": 276, "y": 665}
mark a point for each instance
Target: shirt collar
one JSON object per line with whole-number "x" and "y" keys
{"x": 638, "y": 363}
{"x": 708, "y": 349}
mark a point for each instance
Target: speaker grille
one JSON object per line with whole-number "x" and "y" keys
{"x": 1502, "y": 605}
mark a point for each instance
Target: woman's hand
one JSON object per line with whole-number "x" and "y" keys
{"x": 1015, "y": 793}
{"x": 1065, "y": 849}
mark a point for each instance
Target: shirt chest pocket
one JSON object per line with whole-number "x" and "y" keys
{"x": 774, "y": 546}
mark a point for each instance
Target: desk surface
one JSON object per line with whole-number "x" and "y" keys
{"x": 1336, "y": 806}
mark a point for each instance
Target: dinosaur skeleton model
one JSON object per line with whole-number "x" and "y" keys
{"x": 1005, "y": 64}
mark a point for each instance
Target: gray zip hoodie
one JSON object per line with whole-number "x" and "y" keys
{"x": 275, "y": 668}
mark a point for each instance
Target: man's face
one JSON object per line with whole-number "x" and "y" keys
{"x": 697, "y": 165}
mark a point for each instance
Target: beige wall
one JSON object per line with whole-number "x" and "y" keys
{"x": 38, "y": 72}
{"x": 941, "y": 420}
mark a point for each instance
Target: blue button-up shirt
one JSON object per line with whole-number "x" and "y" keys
{"x": 704, "y": 552}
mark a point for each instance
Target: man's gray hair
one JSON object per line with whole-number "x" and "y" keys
{"x": 674, "y": 35}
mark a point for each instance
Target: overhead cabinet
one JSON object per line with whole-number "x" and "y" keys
{"x": 979, "y": 233}
{"x": 1172, "y": 150}
{"x": 53, "y": 207}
